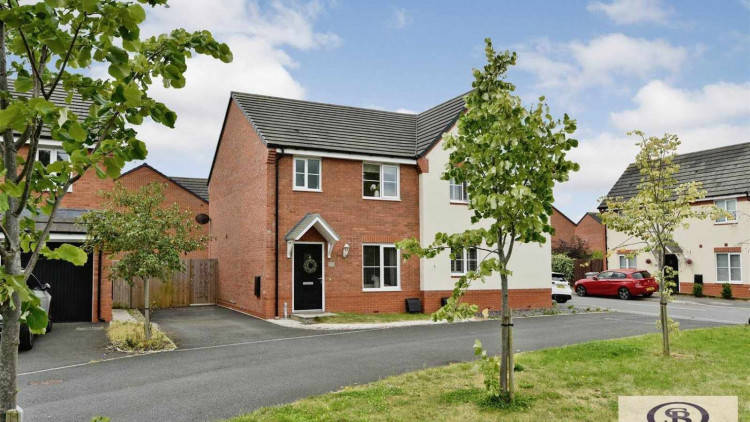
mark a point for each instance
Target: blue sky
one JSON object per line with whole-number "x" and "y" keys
{"x": 614, "y": 65}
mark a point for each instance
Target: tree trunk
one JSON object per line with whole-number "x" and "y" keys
{"x": 147, "y": 307}
{"x": 506, "y": 357}
{"x": 663, "y": 318}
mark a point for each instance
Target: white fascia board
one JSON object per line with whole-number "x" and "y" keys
{"x": 344, "y": 156}
{"x": 62, "y": 237}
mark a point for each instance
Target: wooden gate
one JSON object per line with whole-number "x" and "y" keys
{"x": 194, "y": 286}
{"x": 583, "y": 266}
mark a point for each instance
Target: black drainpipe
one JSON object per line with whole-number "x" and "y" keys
{"x": 276, "y": 230}
{"x": 99, "y": 288}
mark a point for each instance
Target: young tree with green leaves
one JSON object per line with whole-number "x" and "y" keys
{"x": 660, "y": 206}
{"x": 146, "y": 238}
{"x": 47, "y": 46}
{"x": 510, "y": 157}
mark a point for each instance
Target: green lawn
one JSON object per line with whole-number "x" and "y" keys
{"x": 574, "y": 383}
{"x": 348, "y": 318}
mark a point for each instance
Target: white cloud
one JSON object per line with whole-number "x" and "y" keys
{"x": 712, "y": 116}
{"x": 260, "y": 38}
{"x": 400, "y": 19}
{"x": 625, "y": 12}
{"x": 576, "y": 65}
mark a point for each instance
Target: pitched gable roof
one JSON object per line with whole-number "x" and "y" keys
{"x": 196, "y": 186}
{"x": 77, "y": 104}
{"x": 722, "y": 171}
{"x": 309, "y": 125}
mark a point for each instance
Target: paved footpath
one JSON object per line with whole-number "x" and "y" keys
{"x": 275, "y": 365}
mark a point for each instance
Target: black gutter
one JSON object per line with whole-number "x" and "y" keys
{"x": 99, "y": 288}
{"x": 276, "y": 230}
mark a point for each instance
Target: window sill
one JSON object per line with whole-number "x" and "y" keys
{"x": 459, "y": 203}
{"x": 307, "y": 190}
{"x": 725, "y": 223}
{"x": 389, "y": 289}
{"x": 372, "y": 198}
{"x": 723, "y": 282}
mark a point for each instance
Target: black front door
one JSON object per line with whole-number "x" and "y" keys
{"x": 670, "y": 260}
{"x": 308, "y": 277}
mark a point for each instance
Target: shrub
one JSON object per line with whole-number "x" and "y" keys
{"x": 726, "y": 291}
{"x": 563, "y": 264}
{"x": 130, "y": 336}
{"x": 697, "y": 290}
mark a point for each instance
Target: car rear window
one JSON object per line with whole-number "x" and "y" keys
{"x": 640, "y": 275}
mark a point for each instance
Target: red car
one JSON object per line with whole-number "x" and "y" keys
{"x": 623, "y": 283}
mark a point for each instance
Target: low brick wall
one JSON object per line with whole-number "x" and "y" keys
{"x": 741, "y": 291}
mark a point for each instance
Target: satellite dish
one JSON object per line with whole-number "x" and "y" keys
{"x": 202, "y": 218}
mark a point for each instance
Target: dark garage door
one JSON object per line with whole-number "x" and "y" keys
{"x": 71, "y": 287}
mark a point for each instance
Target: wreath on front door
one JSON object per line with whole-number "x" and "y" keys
{"x": 309, "y": 265}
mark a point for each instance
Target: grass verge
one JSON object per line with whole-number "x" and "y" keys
{"x": 350, "y": 318}
{"x": 574, "y": 383}
{"x": 129, "y": 337}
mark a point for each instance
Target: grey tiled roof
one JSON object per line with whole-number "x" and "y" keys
{"x": 432, "y": 123}
{"x": 722, "y": 171}
{"x": 290, "y": 123}
{"x": 595, "y": 215}
{"x": 299, "y": 228}
{"x": 65, "y": 220}
{"x": 77, "y": 104}
{"x": 198, "y": 186}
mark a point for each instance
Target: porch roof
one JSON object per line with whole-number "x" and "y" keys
{"x": 306, "y": 223}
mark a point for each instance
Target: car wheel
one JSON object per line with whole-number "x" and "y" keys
{"x": 624, "y": 293}
{"x": 648, "y": 294}
{"x": 49, "y": 324}
{"x": 560, "y": 299}
{"x": 26, "y": 338}
{"x": 581, "y": 291}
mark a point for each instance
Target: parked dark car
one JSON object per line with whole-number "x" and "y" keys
{"x": 26, "y": 337}
{"x": 623, "y": 283}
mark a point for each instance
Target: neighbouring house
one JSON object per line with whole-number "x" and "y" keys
{"x": 84, "y": 293}
{"x": 589, "y": 228}
{"x": 709, "y": 252}
{"x": 308, "y": 200}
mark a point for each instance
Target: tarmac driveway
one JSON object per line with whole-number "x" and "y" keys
{"x": 206, "y": 326}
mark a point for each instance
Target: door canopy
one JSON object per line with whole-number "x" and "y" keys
{"x": 306, "y": 223}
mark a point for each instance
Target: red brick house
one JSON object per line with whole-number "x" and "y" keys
{"x": 308, "y": 199}
{"x": 589, "y": 228}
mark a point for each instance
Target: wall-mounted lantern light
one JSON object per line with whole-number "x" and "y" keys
{"x": 346, "y": 250}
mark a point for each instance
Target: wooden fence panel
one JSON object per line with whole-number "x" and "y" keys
{"x": 195, "y": 285}
{"x": 203, "y": 276}
{"x": 583, "y": 266}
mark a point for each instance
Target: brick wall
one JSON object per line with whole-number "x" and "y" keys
{"x": 241, "y": 210}
{"x": 564, "y": 228}
{"x": 491, "y": 299}
{"x": 356, "y": 220}
{"x": 173, "y": 194}
{"x": 714, "y": 290}
{"x": 592, "y": 232}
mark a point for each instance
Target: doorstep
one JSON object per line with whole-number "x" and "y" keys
{"x": 308, "y": 317}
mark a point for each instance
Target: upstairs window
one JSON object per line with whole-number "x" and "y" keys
{"x": 464, "y": 261}
{"x": 458, "y": 192}
{"x": 728, "y": 205}
{"x": 728, "y": 268}
{"x": 307, "y": 174}
{"x": 627, "y": 262}
{"x": 380, "y": 181}
{"x": 47, "y": 156}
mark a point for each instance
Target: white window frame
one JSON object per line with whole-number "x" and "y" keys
{"x": 729, "y": 267}
{"x": 53, "y": 158}
{"x": 464, "y": 195}
{"x": 630, "y": 262}
{"x": 465, "y": 260}
{"x": 381, "y": 197}
{"x": 307, "y": 173}
{"x": 381, "y": 247}
{"x": 723, "y": 206}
